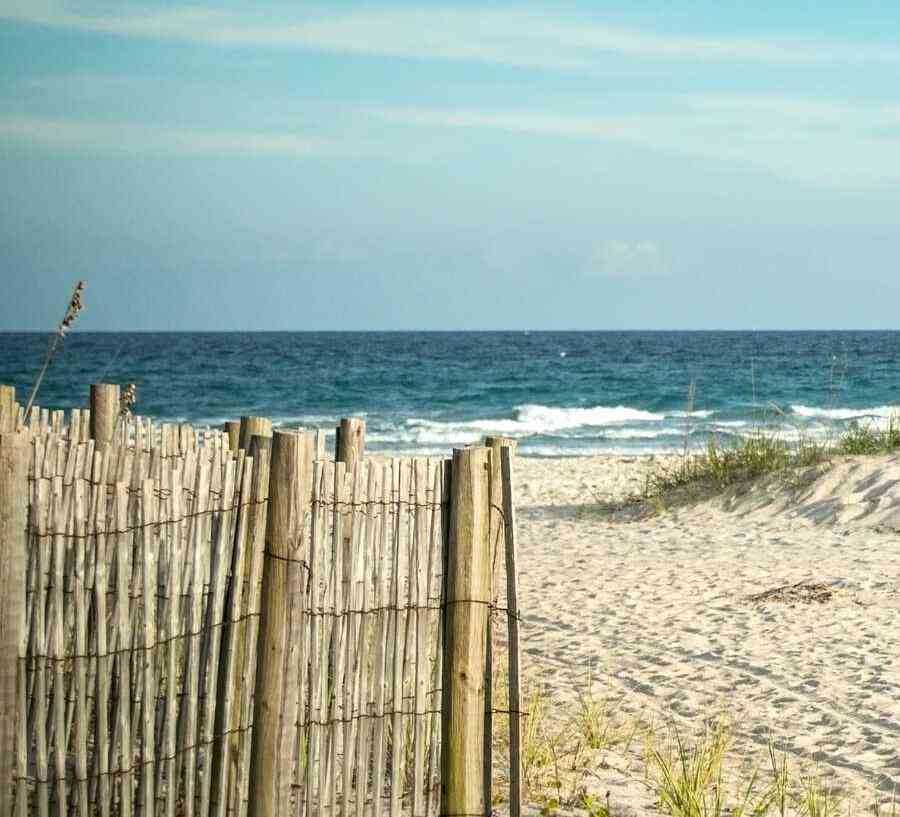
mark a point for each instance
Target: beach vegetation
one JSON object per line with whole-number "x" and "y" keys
{"x": 571, "y": 753}
{"x": 725, "y": 464}
{"x": 74, "y": 307}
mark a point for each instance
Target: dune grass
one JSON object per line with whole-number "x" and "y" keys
{"x": 570, "y": 756}
{"x": 722, "y": 465}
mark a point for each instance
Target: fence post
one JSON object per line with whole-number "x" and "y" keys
{"x": 269, "y": 770}
{"x": 497, "y": 550}
{"x": 350, "y": 444}
{"x": 512, "y": 622}
{"x": 233, "y": 429}
{"x": 467, "y": 599}
{"x": 104, "y": 411}
{"x": 7, "y": 408}
{"x": 14, "y": 456}
{"x": 251, "y": 426}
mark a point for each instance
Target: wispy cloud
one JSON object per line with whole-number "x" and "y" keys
{"x": 829, "y": 144}
{"x": 615, "y": 258}
{"x": 509, "y": 37}
{"x": 126, "y": 137}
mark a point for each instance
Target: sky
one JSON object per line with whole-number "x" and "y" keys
{"x": 568, "y": 165}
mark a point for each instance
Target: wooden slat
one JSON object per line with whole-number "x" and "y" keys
{"x": 173, "y": 618}
{"x": 354, "y": 652}
{"x": 61, "y": 505}
{"x": 187, "y": 727}
{"x": 260, "y": 450}
{"x": 316, "y": 604}
{"x": 418, "y": 569}
{"x": 219, "y": 567}
{"x": 400, "y": 600}
{"x": 101, "y": 646}
{"x": 365, "y": 643}
{"x": 227, "y": 716}
{"x": 150, "y": 584}
{"x": 436, "y": 555}
{"x": 328, "y": 655}
{"x": 15, "y": 454}
{"x": 42, "y": 552}
{"x": 80, "y": 661}
{"x": 384, "y": 595}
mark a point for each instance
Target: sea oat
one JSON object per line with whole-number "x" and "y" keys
{"x": 75, "y": 306}
{"x": 127, "y": 400}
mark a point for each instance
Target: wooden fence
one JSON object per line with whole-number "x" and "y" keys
{"x": 189, "y": 629}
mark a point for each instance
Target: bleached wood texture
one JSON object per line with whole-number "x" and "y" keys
{"x": 122, "y": 658}
{"x": 250, "y": 427}
{"x": 8, "y": 413}
{"x": 512, "y": 604}
{"x": 285, "y": 519}
{"x": 498, "y": 565}
{"x": 14, "y": 455}
{"x": 465, "y": 635}
{"x": 233, "y": 429}
{"x": 104, "y": 411}
{"x": 350, "y": 445}
{"x": 368, "y": 641}
{"x": 137, "y": 688}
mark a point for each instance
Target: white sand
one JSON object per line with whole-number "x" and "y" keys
{"x": 659, "y": 608}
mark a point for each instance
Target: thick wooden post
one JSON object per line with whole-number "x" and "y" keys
{"x": 104, "y": 411}
{"x": 468, "y": 598}
{"x": 7, "y": 408}
{"x": 251, "y": 426}
{"x": 350, "y": 445}
{"x": 270, "y": 769}
{"x": 14, "y": 455}
{"x": 233, "y": 429}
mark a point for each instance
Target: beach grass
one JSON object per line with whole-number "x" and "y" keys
{"x": 697, "y": 475}
{"x": 570, "y": 756}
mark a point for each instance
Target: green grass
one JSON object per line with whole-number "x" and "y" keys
{"x": 723, "y": 465}
{"x": 687, "y": 773}
{"x": 868, "y": 439}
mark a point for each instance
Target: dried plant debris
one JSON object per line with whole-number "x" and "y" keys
{"x": 127, "y": 400}
{"x": 800, "y": 593}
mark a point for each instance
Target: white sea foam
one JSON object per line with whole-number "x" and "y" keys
{"x": 883, "y": 412}
{"x": 548, "y": 418}
{"x": 528, "y": 420}
{"x": 641, "y": 433}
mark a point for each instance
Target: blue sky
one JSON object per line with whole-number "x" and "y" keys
{"x": 467, "y": 165}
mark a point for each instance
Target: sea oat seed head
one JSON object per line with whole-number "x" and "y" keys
{"x": 75, "y": 306}
{"x": 127, "y": 400}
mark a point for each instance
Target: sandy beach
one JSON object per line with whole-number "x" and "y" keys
{"x": 660, "y": 610}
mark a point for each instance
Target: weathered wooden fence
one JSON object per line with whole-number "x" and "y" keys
{"x": 135, "y": 629}
{"x": 190, "y": 629}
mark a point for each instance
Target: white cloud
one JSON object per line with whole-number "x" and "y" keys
{"x": 615, "y": 258}
{"x": 512, "y": 37}
{"x": 126, "y": 137}
{"x": 834, "y": 144}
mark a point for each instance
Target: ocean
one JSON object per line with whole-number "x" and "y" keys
{"x": 559, "y": 393}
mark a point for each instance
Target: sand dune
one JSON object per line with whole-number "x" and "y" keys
{"x": 662, "y": 608}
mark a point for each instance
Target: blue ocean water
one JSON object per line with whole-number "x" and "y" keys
{"x": 560, "y": 393}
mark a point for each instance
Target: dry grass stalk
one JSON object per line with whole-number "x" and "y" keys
{"x": 75, "y": 306}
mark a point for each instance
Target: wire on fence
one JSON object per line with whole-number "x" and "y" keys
{"x": 161, "y": 642}
{"x": 153, "y": 761}
{"x": 132, "y": 528}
